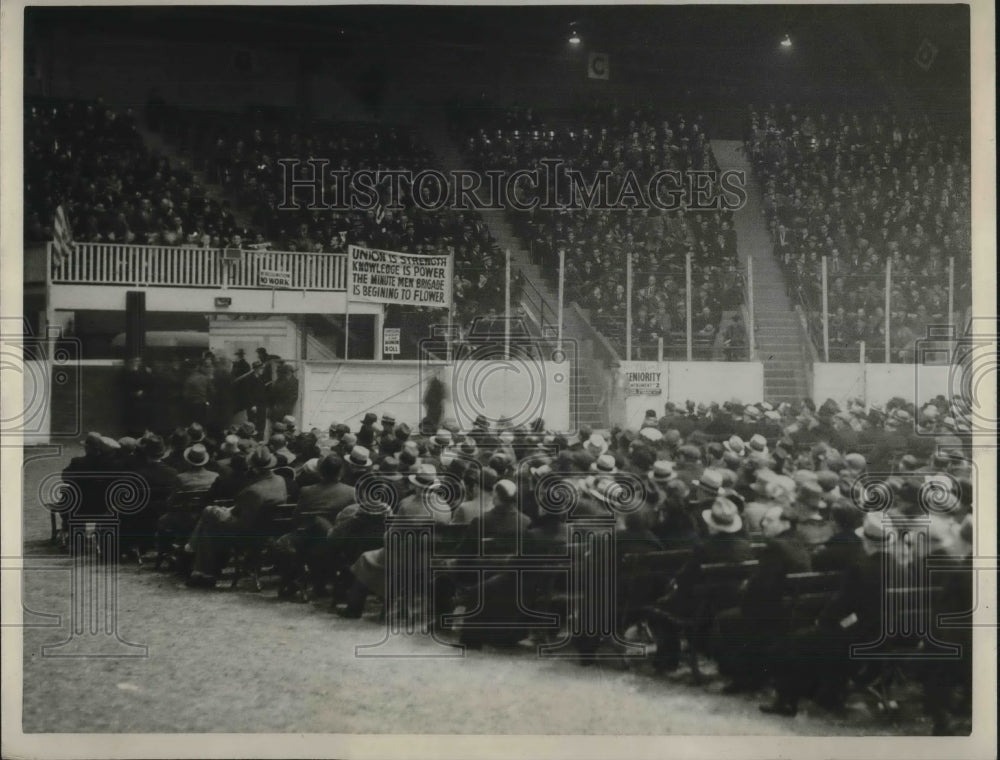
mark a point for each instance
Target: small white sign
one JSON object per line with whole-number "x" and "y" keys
{"x": 275, "y": 278}
{"x": 390, "y": 340}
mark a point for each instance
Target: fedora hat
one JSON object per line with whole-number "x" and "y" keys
{"x": 764, "y": 476}
{"x": 369, "y": 418}
{"x": 262, "y": 459}
{"x": 723, "y": 516}
{"x": 230, "y": 445}
{"x": 596, "y": 445}
{"x": 442, "y": 438}
{"x": 196, "y": 455}
{"x": 873, "y": 528}
{"x": 389, "y": 469}
{"x": 152, "y": 446}
{"x": 710, "y": 482}
{"x": 604, "y": 465}
{"x": 855, "y": 462}
{"x": 127, "y": 443}
{"x": 651, "y": 434}
{"x": 359, "y": 458}
{"x": 195, "y": 432}
{"x": 735, "y": 445}
{"x": 662, "y": 472}
{"x": 108, "y": 445}
{"x": 758, "y": 443}
{"x": 425, "y": 476}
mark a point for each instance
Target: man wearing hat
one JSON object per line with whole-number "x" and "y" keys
{"x": 427, "y": 499}
{"x": 495, "y": 533}
{"x": 771, "y": 490}
{"x": 359, "y": 463}
{"x": 250, "y": 394}
{"x": 689, "y": 465}
{"x": 137, "y": 530}
{"x": 814, "y": 527}
{"x": 723, "y": 543}
{"x": 278, "y": 444}
{"x": 745, "y": 632}
{"x": 706, "y": 489}
{"x": 852, "y": 616}
{"x": 219, "y": 527}
{"x": 196, "y": 477}
{"x": 387, "y": 435}
{"x": 240, "y": 364}
{"x": 283, "y": 393}
{"x": 316, "y": 511}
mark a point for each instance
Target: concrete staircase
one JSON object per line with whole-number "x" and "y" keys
{"x": 781, "y": 342}
{"x": 537, "y": 298}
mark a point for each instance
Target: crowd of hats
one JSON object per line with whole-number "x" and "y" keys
{"x": 595, "y": 242}
{"x": 864, "y": 189}
{"x": 718, "y": 456}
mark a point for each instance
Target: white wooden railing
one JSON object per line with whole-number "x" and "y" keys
{"x": 173, "y": 266}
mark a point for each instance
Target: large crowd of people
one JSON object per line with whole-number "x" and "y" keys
{"x": 242, "y": 156}
{"x": 864, "y": 189}
{"x": 93, "y": 161}
{"x": 786, "y": 486}
{"x": 596, "y": 241}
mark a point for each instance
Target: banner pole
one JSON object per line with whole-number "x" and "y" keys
{"x": 451, "y": 306}
{"x": 506, "y": 308}
{"x": 751, "y": 313}
{"x": 888, "y": 303}
{"x": 687, "y": 306}
{"x": 347, "y": 303}
{"x": 562, "y": 286}
{"x": 628, "y": 305}
{"x": 826, "y": 314}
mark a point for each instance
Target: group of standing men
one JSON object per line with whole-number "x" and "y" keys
{"x": 216, "y": 392}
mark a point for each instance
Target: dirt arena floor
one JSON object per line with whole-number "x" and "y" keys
{"x": 241, "y": 661}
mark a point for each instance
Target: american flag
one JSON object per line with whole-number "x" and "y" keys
{"x": 62, "y": 243}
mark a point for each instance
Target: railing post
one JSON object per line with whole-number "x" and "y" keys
{"x": 628, "y": 305}
{"x": 562, "y": 291}
{"x": 888, "y": 304}
{"x": 826, "y": 315}
{"x": 751, "y": 311}
{"x": 506, "y": 308}
{"x": 687, "y": 306}
{"x": 951, "y": 291}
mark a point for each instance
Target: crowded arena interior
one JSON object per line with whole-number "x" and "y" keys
{"x": 735, "y": 460}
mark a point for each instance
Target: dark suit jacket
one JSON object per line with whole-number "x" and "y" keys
{"x": 329, "y": 498}
{"x": 860, "y": 596}
{"x": 254, "y": 502}
{"x": 784, "y": 554}
{"x": 840, "y": 553}
{"x": 500, "y": 528}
